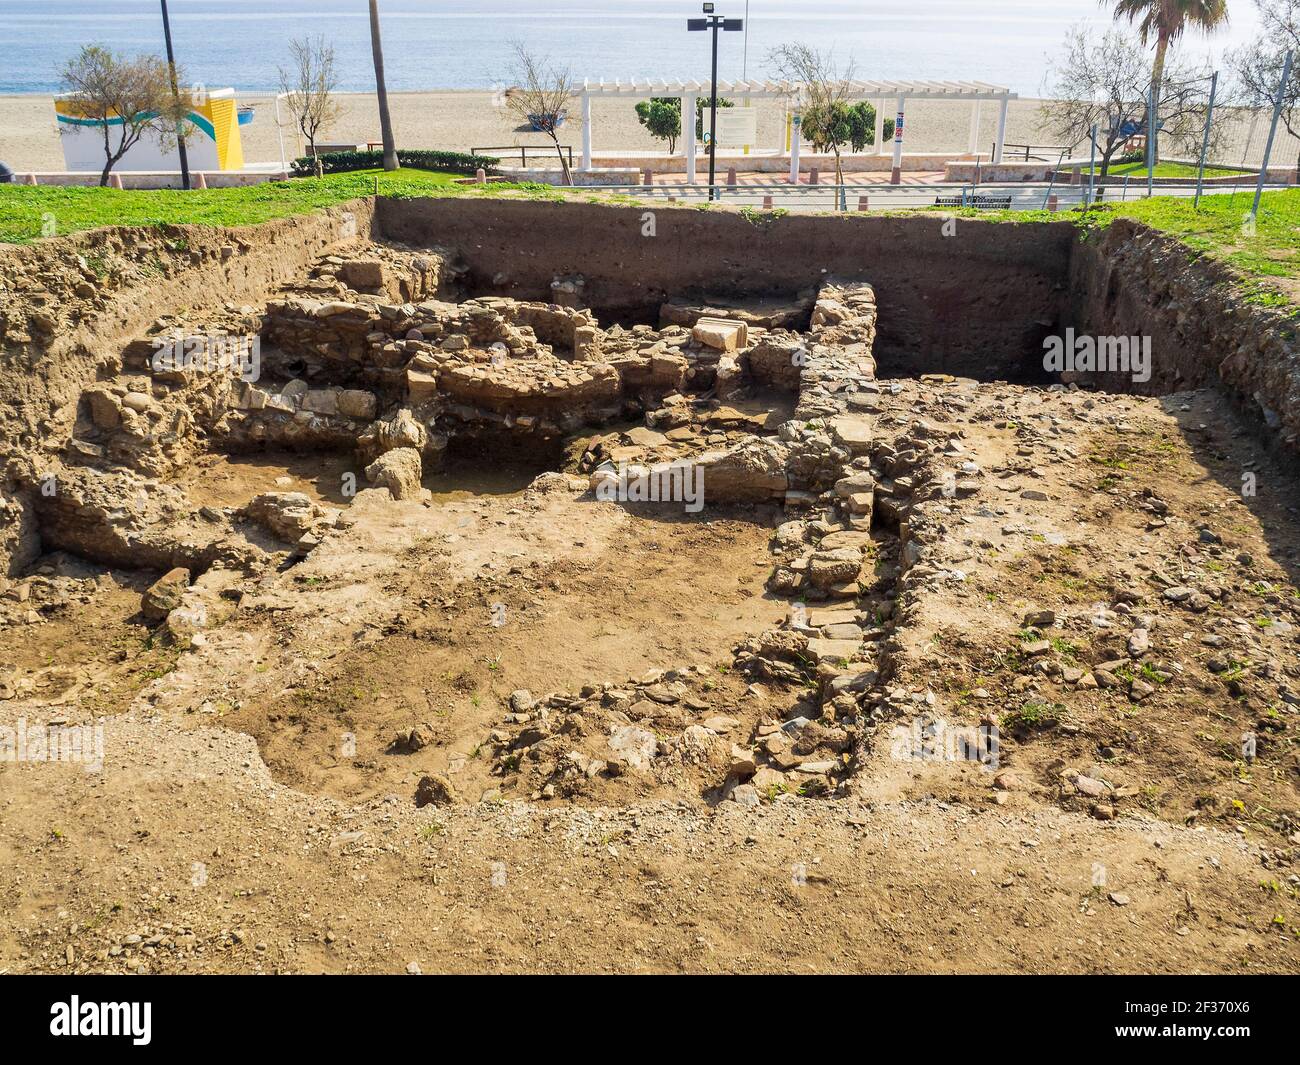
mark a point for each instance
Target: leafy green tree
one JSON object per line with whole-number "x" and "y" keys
{"x": 862, "y": 126}
{"x": 828, "y": 126}
{"x": 128, "y": 99}
{"x": 662, "y": 118}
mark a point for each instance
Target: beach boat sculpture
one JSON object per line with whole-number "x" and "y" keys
{"x": 542, "y": 123}
{"x": 213, "y": 142}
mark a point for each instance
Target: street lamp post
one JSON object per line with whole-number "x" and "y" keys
{"x": 176, "y": 96}
{"x": 744, "y": 68}
{"x": 715, "y": 23}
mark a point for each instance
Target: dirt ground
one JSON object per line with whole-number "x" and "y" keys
{"x": 385, "y": 704}
{"x": 256, "y": 819}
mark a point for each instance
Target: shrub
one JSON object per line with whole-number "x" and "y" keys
{"x": 416, "y": 159}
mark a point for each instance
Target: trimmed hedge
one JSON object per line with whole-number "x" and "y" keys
{"x": 416, "y": 159}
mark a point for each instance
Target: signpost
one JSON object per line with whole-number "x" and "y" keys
{"x": 1151, "y": 139}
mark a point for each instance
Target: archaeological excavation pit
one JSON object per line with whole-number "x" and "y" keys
{"x": 417, "y": 543}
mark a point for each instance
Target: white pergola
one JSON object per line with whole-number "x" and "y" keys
{"x": 976, "y": 92}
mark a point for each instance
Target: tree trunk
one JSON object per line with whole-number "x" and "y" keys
{"x": 564, "y": 163}
{"x": 381, "y": 91}
{"x": 1108, "y": 154}
{"x": 1157, "y": 76}
{"x": 103, "y": 177}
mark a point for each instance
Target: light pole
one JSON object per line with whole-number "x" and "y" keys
{"x": 176, "y": 97}
{"x": 744, "y": 68}
{"x": 715, "y": 23}
{"x": 744, "y": 62}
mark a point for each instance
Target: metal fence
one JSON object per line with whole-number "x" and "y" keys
{"x": 855, "y": 198}
{"x": 1024, "y": 153}
{"x": 541, "y": 150}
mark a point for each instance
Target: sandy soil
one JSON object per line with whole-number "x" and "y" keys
{"x": 466, "y": 119}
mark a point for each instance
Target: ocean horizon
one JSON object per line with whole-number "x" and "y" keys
{"x": 466, "y": 44}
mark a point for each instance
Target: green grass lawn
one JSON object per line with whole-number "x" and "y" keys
{"x": 1170, "y": 170}
{"x": 25, "y": 210}
{"x": 1265, "y": 251}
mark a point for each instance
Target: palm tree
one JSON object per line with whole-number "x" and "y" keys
{"x": 385, "y": 119}
{"x": 1165, "y": 20}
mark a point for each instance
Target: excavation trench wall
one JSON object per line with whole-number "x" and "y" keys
{"x": 69, "y": 305}
{"x": 977, "y": 303}
{"x": 53, "y": 338}
{"x": 1130, "y": 281}
{"x": 969, "y": 297}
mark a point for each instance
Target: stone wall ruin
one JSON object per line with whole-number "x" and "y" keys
{"x": 756, "y": 358}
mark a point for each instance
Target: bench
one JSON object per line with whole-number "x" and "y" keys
{"x": 980, "y": 203}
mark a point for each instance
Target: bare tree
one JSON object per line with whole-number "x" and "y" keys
{"x": 824, "y": 96}
{"x": 1166, "y": 21}
{"x": 1103, "y": 79}
{"x": 1258, "y": 65}
{"x": 130, "y": 98}
{"x": 541, "y": 97}
{"x": 381, "y": 91}
{"x": 308, "y": 86}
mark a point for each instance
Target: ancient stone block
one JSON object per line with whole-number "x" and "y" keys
{"x": 105, "y": 409}
{"x": 399, "y": 471}
{"x": 321, "y": 401}
{"x": 357, "y": 403}
{"x": 721, "y": 333}
{"x": 421, "y": 386}
{"x": 288, "y": 515}
{"x": 364, "y": 275}
{"x": 165, "y": 594}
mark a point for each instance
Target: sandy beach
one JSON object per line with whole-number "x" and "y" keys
{"x": 461, "y": 120}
